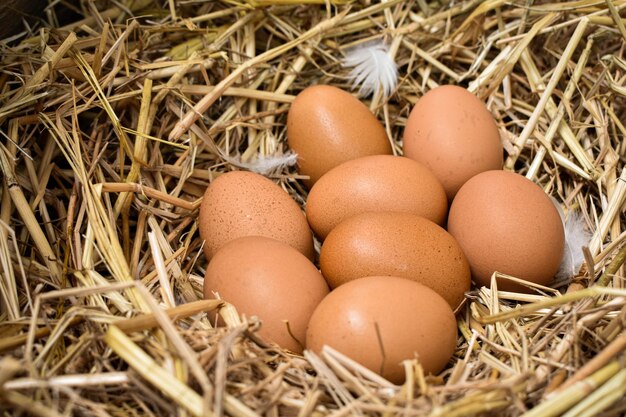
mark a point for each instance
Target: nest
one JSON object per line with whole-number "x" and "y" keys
{"x": 101, "y": 267}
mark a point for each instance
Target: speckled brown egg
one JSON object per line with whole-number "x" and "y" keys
{"x": 241, "y": 203}
{"x": 370, "y": 315}
{"x": 374, "y": 183}
{"x": 506, "y": 223}
{"x": 451, "y": 132}
{"x": 327, "y": 126}
{"x": 269, "y": 279}
{"x": 396, "y": 244}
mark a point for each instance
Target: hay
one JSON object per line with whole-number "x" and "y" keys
{"x": 110, "y": 134}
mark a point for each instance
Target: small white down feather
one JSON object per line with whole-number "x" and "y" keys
{"x": 265, "y": 165}
{"x": 576, "y": 237}
{"x": 373, "y": 69}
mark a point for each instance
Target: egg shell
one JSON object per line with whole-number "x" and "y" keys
{"x": 451, "y": 132}
{"x": 396, "y": 244}
{"x": 506, "y": 223}
{"x": 241, "y": 203}
{"x": 374, "y": 183}
{"x": 327, "y": 126}
{"x": 408, "y": 319}
{"x": 270, "y": 279}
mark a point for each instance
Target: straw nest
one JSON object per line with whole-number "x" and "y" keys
{"x": 100, "y": 260}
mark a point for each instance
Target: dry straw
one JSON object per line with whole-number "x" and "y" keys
{"x": 112, "y": 126}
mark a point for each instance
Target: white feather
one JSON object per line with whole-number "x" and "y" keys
{"x": 576, "y": 237}
{"x": 265, "y": 165}
{"x": 373, "y": 69}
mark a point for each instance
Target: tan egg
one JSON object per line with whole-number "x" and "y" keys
{"x": 408, "y": 319}
{"x": 506, "y": 223}
{"x": 241, "y": 203}
{"x": 451, "y": 132}
{"x": 374, "y": 183}
{"x": 327, "y": 126}
{"x": 269, "y": 279}
{"x": 396, "y": 244}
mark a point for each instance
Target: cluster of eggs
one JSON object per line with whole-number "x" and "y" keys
{"x": 391, "y": 274}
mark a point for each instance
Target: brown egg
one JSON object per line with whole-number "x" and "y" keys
{"x": 327, "y": 126}
{"x": 451, "y": 132}
{"x": 506, "y": 223}
{"x": 408, "y": 319}
{"x": 270, "y": 279}
{"x": 374, "y": 183}
{"x": 241, "y": 203}
{"x": 396, "y": 244}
